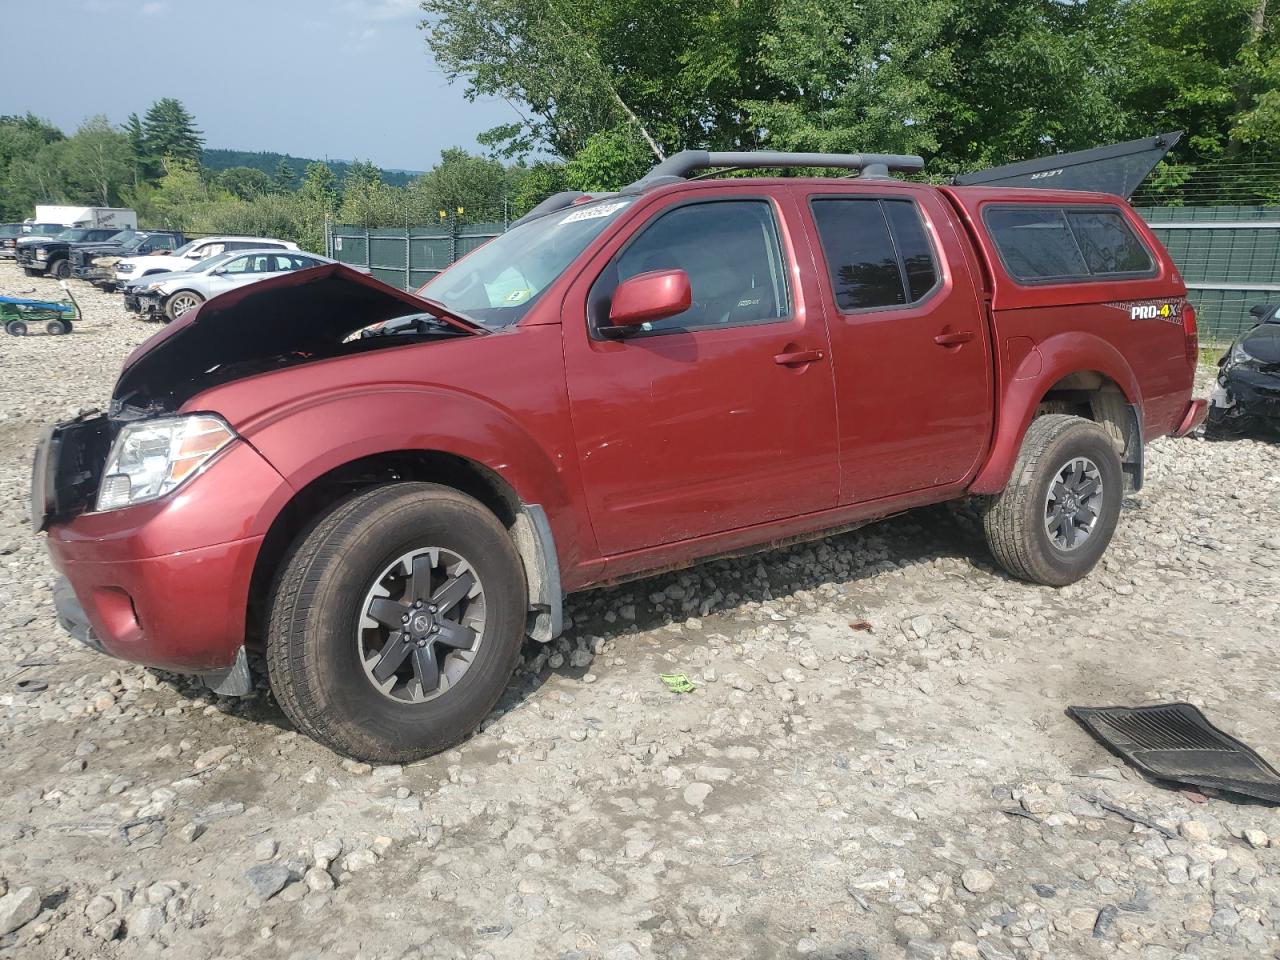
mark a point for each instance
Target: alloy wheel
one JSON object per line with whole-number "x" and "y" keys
{"x": 1073, "y": 504}
{"x": 421, "y": 624}
{"x": 183, "y": 303}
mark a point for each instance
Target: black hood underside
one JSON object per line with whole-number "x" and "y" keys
{"x": 297, "y": 318}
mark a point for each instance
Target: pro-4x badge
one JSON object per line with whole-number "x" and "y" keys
{"x": 1170, "y": 310}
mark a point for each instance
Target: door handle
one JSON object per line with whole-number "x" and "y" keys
{"x": 794, "y": 358}
{"x": 953, "y": 339}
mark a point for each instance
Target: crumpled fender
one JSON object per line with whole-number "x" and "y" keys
{"x": 1026, "y": 384}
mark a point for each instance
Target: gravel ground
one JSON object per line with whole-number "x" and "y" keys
{"x": 909, "y": 790}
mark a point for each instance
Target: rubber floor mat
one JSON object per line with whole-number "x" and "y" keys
{"x": 1174, "y": 741}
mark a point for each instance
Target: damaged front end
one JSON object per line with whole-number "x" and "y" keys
{"x": 1247, "y": 396}
{"x": 141, "y": 448}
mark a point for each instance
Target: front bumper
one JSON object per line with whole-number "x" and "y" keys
{"x": 1249, "y": 391}
{"x": 166, "y": 583}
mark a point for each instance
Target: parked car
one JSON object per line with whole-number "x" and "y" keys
{"x": 686, "y": 369}
{"x": 170, "y": 295}
{"x": 131, "y": 268}
{"x": 9, "y": 243}
{"x": 96, "y": 263}
{"x": 1247, "y": 396}
{"x": 40, "y": 255}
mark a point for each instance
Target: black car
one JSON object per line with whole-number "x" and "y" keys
{"x": 1247, "y": 397}
{"x": 39, "y": 255}
{"x": 84, "y": 257}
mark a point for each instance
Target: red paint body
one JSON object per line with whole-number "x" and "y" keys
{"x": 655, "y": 452}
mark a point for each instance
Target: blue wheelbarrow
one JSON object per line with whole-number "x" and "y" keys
{"x": 19, "y": 314}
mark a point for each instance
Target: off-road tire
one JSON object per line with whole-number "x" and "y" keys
{"x": 61, "y": 269}
{"x": 33, "y": 271}
{"x": 313, "y": 662}
{"x": 1014, "y": 521}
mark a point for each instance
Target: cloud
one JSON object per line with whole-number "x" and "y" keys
{"x": 382, "y": 9}
{"x": 154, "y": 8}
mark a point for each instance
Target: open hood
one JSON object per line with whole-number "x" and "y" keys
{"x": 295, "y": 318}
{"x": 1117, "y": 168}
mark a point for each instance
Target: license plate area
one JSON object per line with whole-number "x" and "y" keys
{"x": 68, "y": 467}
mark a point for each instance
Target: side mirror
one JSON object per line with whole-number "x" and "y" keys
{"x": 647, "y": 297}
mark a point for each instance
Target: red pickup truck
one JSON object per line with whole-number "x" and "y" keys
{"x": 384, "y": 493}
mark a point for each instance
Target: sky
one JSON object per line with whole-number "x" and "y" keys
{"x": 336, "y": 79}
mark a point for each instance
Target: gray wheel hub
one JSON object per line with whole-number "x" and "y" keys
{"x": 184, "y": 303}
{"x": 421, "y": 624}
{"x": 1073, "y": 503}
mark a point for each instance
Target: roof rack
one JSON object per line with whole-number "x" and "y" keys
{"x": 680, "y": 165}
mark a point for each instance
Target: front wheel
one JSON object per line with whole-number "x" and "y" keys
{"x": 60, "y": 269}
{"x": 1053, "y": 521}
{"x": 396, "y": 622}
{"x": 181, "y": 303}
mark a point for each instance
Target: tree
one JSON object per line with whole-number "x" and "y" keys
{"x": 137, "y": 137}
{"x": 284, "y": 180}
{"x": 476, "y": 185}
{"x": 170, "y": 131}
{"x": 244, "y": 182}
{"x": 30, "y": 164}
{"x": 98, "y": 161}
{"x": 320, "y": 186}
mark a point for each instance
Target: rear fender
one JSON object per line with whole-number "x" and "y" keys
{"x": 1026, "y": 385}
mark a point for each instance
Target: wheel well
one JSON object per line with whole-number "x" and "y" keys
{"x": 315, "y": 498}
{"x": 1096, "y": 397}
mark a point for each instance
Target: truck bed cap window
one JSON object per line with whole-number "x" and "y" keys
{"x": 1040, "y": 243}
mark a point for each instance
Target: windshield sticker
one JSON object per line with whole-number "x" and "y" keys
{"x": 518, "y": 296}
{"x": 594, "y": 213}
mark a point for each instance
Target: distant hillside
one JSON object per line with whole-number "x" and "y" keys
{"x": 267, "y": 163}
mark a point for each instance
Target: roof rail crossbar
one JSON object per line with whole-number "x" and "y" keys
{"x": 680, "y": 165}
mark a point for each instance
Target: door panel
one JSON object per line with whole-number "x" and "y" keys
{"x": 720, "y": 418}
{"x": 910, "y": 342}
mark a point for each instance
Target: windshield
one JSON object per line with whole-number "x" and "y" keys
{"x": 208, "y": 263}
{"x": 73, "y": 234}
{"x": 46, "y": 229}
{"x": 498, "y": 283}
{"x": 124, "y": 236}
{"x": 183, "y": 249}
{"x": 10, "y": 229}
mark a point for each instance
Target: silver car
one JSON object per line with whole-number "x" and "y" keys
{"x": 174, "y": 294}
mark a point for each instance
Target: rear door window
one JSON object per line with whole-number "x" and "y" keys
{"x": 877, "y": 251}
{"x": 1046, "y": 244}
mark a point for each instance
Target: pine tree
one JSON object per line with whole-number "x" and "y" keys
{"x": 170, "y": 131}
{"x": 142, "y": 169}
{"x": 284, "y": 180}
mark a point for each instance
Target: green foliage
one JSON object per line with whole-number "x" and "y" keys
{"x": 168, "y": 130}
{"x": 284, "y": 180}
{"x": 98, "y": 161}
{"x": 269, "y": 162}
{"x": 243, "y": 182}
{"x": 608, "y": 160}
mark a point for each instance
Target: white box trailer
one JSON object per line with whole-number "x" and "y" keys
{"x": 118, "y": 217}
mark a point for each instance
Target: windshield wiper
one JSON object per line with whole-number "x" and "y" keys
{"x": 452, "y": 313}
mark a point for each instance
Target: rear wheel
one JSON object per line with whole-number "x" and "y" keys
{"x": 32, "y": 272}
{"x": 56, "y": 328}
{"x": 396, "y": 622}
{"x": 16, "y": 328}
{"x": 1053, "y": 521}
{"x": 181, "y": 303}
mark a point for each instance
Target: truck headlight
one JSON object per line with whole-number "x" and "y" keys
{"x": 1239, "y": 354}
{"x": 152, "y": 457}
{"x": 42, "y": 253}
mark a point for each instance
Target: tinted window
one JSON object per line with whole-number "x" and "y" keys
{"x": 1108, "y": 242}
{"x": 730, "y": 251}
{"x": 1036, "y": 243}
{"x": 913, "y": 247}
{"x": 877, "y": 252}
{"x": 1061, "y": 243}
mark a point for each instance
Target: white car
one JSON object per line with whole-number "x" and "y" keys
{"x": 131, "y": 268}
{"x": 173, "y": 294}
